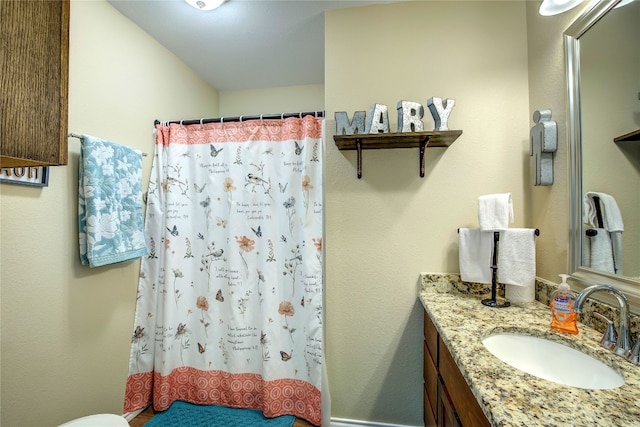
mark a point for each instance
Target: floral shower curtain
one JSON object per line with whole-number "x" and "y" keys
{"x": 229, "y": 305}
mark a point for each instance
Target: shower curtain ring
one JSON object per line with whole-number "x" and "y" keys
{"x": 240, "y": 119}
{"x": 201, "y": 122}
{"x": 181, "y": 122}
{"x": 300, "y": 115}
{"x": 261, "y": 119}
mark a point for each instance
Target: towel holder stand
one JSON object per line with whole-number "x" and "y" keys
{"x": 599, "y": 218}
{"x": 493, "y": 302}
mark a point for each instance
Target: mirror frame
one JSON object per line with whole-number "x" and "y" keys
{"x": 584, "y": 276}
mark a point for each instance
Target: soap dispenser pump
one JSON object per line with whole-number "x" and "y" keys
{"x": 563, "y": 302}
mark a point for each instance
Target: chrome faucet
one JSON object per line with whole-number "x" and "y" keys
{"x": 623, "y": 343}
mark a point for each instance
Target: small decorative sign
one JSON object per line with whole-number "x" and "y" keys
{"x": 410, "y": 116}
{"x": 28, "y": 175}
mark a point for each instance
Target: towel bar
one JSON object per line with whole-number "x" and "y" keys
{"x": 536, "y": 232}
{"x": 75, "y": 135}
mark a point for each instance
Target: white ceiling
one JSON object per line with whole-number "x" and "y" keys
{"x": 244, "y": 44}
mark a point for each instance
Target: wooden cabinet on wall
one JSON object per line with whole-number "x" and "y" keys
{"x": 448, "y": 400}
{"x": 34, "y": 61}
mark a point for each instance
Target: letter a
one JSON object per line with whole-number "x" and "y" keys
{"x": 378, "y": 119}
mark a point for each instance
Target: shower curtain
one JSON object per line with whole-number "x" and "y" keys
{"x": 230, "y": 305}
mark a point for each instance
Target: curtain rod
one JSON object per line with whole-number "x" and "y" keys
{"x": 241, "y": 118}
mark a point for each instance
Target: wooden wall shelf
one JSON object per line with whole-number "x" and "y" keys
{"x": 376, "y": 141}
{"x": 631, "y": 136}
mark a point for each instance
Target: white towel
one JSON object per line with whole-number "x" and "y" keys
{"x": 616, "y": 244}
{"x": 474, "y": 255}
{"x": 495, "y": 212}
{"x": 515, "y": 293}
{"x": 517, "y": 257}
{"x": 589, "y": 217}
{"x": 597, "y": 252}
{"x": 611, "y": 216}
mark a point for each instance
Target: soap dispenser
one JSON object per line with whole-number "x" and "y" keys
{"x": 562, "y": 305}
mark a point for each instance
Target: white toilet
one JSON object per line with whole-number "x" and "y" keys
{"x": 99, "y": 420}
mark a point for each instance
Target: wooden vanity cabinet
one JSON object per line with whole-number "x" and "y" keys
{"x": 448, "y": 400}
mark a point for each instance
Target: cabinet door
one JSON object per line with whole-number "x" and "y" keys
{"x": 447, "y": 416}
{"x": 34, "y": 52}
{"x": 463, "y": 400}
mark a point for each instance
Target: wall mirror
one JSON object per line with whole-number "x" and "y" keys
{"x": 603, "y": 81}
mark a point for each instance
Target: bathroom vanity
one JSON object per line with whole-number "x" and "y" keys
{"x": 465, "y": 385}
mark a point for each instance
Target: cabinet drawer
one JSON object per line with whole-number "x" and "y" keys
{"x": 431, "y": 338}
{"x": 430, "y": 374}
{"x": 463, "y": 400}
{"x": 429, "y": 416}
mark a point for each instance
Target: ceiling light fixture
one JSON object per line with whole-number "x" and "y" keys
{"x": 205, "y": 4}
{"x": 555, "y": 7}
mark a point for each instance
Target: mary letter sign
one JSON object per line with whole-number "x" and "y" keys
{"x": 410, "y": 116}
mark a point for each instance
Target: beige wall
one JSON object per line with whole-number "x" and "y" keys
{"x": 66, "y": 328}
{"x": 549, "y": 206}
{"x": 288, "y": 99}
{"x": 500, "y": 61}
{"x": 387, "y": 227}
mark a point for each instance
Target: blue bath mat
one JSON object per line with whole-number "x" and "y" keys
{"x": 187, "y": 414}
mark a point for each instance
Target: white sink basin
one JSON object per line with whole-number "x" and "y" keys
{"x": 552, "y": 361}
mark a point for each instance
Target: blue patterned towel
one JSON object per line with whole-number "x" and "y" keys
{"x": 110, "y": 203}
{"x": 187, "y": 414}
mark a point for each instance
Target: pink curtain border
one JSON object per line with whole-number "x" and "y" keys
{"x": 283, "y": 396}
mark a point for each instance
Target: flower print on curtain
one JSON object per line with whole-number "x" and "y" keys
{"x": 229, "y": 307}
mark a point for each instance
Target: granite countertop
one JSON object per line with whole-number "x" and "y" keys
{"x": 510, "y": 397}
